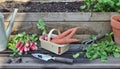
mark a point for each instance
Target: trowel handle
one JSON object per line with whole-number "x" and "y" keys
{"x": 100, "y": 36}
{"x": 64, "y": 60}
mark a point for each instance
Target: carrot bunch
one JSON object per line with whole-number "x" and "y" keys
{"x": 66, "y": 37}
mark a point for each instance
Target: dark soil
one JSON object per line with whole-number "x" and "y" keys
{"x": 41, "y": 7}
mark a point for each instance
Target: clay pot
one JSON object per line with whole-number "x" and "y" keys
{"x": 115, "y": 23}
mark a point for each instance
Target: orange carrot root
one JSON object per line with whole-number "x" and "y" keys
{"x": 64, "y": 41}
{"x": 64, "y": 34}
{"x": 72, "y": 33}
{"x": 66, "y": 37}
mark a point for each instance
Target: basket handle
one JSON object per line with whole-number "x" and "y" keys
{"x": 51, "y": 31}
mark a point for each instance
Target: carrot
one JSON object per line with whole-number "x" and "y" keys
{"x": 72, "y": 33}
{"x": 64, "y": 41}
{"x": 65, "y": 33}
{"x": 66, "y": 37}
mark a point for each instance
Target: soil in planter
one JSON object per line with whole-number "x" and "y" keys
{"x": 9, "y": 6}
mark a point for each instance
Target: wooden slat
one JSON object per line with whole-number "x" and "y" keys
{"x": 62, "y": 16}
{"x": 45, "y": 0}
{"x": 59, "y": 66}
{"x": 37, "y": 63}
{"x": 79, "y": 37}
{"x": 85, "y": 27}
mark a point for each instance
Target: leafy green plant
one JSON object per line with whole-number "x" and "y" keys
{"x": 42, "y": 26}
{"x": 23, "y": 37}
{"x": 103, "y": 49}
{"x": 76, "y": 55}
{"x": 102, "y": 5}
{"x": 88, "y": 5}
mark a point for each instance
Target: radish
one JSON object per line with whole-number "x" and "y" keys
{"x": 27, "y": 43}
{"x": 33, "y": 46}
{"x": 18, "y": 44}
{"x": 26, "y": 48}
{"x": 44, "y": 37}
{"x": 22, "y": 49}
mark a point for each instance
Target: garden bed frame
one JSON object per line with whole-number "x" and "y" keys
{"x": 89, "y": 23}
{"x": 43, "y": 0}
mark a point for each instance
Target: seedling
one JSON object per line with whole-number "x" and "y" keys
{"x": 42, "y": 26}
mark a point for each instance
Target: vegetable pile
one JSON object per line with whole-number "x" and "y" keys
{"x": 22, "y": 43}
{"x": 101, "y": 49}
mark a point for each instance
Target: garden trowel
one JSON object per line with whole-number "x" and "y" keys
{"x": 47, "y": 57}
{"x": 88, "y": 42}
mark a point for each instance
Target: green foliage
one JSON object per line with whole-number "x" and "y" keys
{"x": 20, "y": 37}
{"x": 87, "y": 5}
{"x": 102, "y": 5}
{"x": 76, "y": 55}
{"x": 42, "y": 26}
{"x": 102, "y": 49}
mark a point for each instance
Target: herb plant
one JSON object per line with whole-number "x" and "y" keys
{"x": 102, "y": 49}
{"x": 76, "y": 55}
{"x": 102, "y": 5}
{"x": 87, "y": 5}
{"x": 42, "y": 26}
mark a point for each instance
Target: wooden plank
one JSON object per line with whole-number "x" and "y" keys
{"x": 46, "y": 0}
{"x": 85, "y": 27}
{"x": 101, "y": 16}
{"x": 79, "y": 37}
{"x": 62, "y": 16}
{"x": 37, "y": 63}
{"x": 59, "y": 66}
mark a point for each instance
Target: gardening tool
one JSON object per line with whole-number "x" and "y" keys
{"x": 47, "y": 57}
{"x": 4, "y": 35}
{"x": 91, "y": 41}
{"x": 87, "y": 42}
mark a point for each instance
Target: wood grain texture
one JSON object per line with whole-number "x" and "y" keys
{"x": 85, "y": 27}
{"x": 62, "y": 16}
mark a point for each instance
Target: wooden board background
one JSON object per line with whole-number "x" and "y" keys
{"x": 89, "y": 23}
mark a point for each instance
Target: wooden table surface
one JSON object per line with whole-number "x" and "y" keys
{"x": 28, "y": 61}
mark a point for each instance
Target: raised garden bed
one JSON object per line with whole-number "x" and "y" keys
{"x": 86, "y": 21}
{"x": 89, "y": 23}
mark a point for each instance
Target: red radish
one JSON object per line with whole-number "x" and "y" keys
{"x": 44, "y": 37}
{"x": 27, "y": 43}
{"x": 33, "y": 46}
{"x": 27, "y": 48}
{"x": 22, "y": 49}
{"x": 18, "y": 44}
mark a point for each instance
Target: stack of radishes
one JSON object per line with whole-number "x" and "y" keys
{"x": 44, "y": 37}
{"x": 28, "y": 46}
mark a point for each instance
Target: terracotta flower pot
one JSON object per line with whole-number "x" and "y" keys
{"x": 115, "y": 23}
